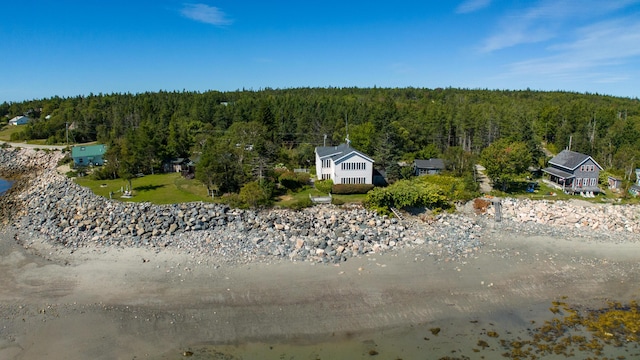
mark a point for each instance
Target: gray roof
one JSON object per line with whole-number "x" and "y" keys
{"x": 338, "y": 152}
{"x": 429, "y": 164}
{"x": 571, "y": 160}
{"x": 559, "y": 173}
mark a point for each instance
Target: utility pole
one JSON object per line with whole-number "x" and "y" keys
{"x": 593, "y": 131}
{"x": 346, "y": 120}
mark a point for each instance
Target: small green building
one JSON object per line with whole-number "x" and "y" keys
{"x": 86, "y": 155}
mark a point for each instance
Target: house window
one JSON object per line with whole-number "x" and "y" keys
{"x": 356, "y": 180}
{"x": 353, "y": 166}
{"x": 578, "y": 182}
{"x": 326, "y": 163}
{"x": 594, "y": 181}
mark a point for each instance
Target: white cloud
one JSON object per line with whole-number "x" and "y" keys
{"x": 599, "y": 52}
{"x": 206, "y": 14}
{"x": 469, "y": 6}
{"x": 545, "y": 20}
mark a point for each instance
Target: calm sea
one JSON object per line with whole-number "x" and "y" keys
{"x": 530, "y": 333}
{"x": 4, "y": 186}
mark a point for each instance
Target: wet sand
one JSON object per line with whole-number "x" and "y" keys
{"x": 134, "y": 304}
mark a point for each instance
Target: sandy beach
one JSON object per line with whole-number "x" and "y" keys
{"x": 135, "y": 303}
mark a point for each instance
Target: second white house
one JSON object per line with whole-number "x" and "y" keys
{"x": 343, "y": 164}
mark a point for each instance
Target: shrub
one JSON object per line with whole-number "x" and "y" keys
{"x": 480, "y": 206}
{"x": 324, "y": 186}
{"x": 253, "y": 194}
{"x": 351, "y": 188}
{"x": 65, "y": 160}
{"x": 103, "y": 173}
{"x": 233, "y": 200}
{"x": 279, "y": 171}
{"x": 292, "y": 180}
{"x": 455, "y": 188}
{"x": 302, "y": 203}
{"x": 268, "y": 188}
{"x": 406, "y": 193}
{"x": 303, "y": 177}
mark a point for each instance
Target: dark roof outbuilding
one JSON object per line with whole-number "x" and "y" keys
{"x": 437, "y": 164}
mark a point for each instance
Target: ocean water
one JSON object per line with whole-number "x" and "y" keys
{"x": 4, "y": 186}
{"x": 533, "y": 333}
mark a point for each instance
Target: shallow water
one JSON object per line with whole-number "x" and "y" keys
{"x": 503, "y": 334}
{"x": 4, "y": 186}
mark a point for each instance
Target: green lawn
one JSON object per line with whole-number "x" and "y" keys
{"x": 172, "y": 189}
{"x": 291, "y": 198}
{"x": 158, "y": 189}
{"x": 545, "y": 192}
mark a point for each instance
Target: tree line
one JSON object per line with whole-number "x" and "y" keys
{"x": 239, "y": 135}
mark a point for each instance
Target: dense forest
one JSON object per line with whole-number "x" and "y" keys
{"x": 238, "y": 135}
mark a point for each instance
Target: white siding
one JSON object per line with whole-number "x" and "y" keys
{"x": 358, "y": 170}
{"x": 324, "y": 168}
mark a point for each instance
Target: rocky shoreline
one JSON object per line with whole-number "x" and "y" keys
{"x": 47, "y": 206}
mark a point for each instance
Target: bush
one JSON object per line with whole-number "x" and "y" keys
{"x": 480, "y": 206}
{"x": 301, "y": 204}
{"x": 253, "y": 194}
{"x": 233, "y": 200}
{"x": 406, "y": 193}
{"x": 65, "y": 160}
{"x": 279, "y": 171}
{"x": 292, "y": 180}
{"x": 103, "y": 173}
{"x": 455, "y": 188}
{"x": 324, "y": 186}
{"x": 351, "y": 188}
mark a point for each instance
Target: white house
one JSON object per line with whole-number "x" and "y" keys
{"x": 343, "y": 164}
{"x": 19, "y": 120}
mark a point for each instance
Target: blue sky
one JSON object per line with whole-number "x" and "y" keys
{"x": 69, "y": 48}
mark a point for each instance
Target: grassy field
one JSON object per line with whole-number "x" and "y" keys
{"x": 158, "y": 189}
{"x": 7, "y": 130}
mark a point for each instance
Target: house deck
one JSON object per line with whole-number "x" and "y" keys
{"x": 568, "y": 190}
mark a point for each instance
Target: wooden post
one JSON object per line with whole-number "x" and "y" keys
{"x": 497, "y": 205}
